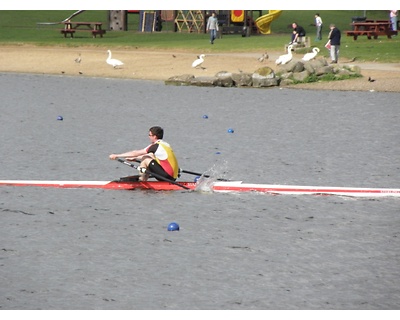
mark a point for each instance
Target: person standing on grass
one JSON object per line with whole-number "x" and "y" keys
{"x": 334, "y": 38}
{"x": 158, "y": 157}
{"x": 212, "y": 26}
{"x": 318, "y": 24}
{"x": 393, "y": 19}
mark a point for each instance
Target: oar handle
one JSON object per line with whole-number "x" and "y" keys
{"x": 159, "y": 177}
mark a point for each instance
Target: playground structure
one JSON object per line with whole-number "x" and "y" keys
{"x": 195, "y": 21}
{"x": 264, "y": 22}
{"x": 192, "y": 21}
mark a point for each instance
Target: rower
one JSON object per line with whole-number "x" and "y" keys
{"x": 157, "y": 158}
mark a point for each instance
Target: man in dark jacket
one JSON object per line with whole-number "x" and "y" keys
{"x": 334, "y": 38}
{"x": 298, "y": 31}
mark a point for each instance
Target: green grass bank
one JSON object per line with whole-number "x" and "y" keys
{"x": 25, "y": 28}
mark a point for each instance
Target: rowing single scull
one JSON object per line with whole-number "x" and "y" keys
{"x": 217, "y": 186}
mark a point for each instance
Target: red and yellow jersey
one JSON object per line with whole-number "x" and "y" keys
{"x": 165, "y": 157}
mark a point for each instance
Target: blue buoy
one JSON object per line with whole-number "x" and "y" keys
{"x": 173, "y": 226}
{"x": 231, "y": 130}
{"x": 60, "y": 118}
{"x": 205, "y": 116}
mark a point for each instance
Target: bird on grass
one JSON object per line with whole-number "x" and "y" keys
{"x": 285, "y": 58}
{"x": 311, "y": 55}
{"x": 113, "y": 62}
{"x": 197, "y": 63}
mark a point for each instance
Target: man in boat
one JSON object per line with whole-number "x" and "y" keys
{"x": 158, "y": 157}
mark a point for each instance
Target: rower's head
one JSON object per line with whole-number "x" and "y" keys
{"x": 156, "y": 132}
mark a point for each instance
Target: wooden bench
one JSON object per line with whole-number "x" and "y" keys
{"x": 371, "y": 28}
{"x": 71, "y": 32}
{"x": 99, "y": 32}
{"x": 65, "y": 32}
{"x": 370, "y": 34}
{"x": 355, "y": 34}
{"x": 71, "y": 27}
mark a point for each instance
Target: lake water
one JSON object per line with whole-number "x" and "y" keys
{"x": 104, "y": 249}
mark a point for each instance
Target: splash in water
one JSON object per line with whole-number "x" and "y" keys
{"x": 214, "y": 174}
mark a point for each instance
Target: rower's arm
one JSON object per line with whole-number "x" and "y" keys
{"x": 129, "y": 154}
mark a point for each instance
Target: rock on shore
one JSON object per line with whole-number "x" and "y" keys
{"x": 291, "y": 73}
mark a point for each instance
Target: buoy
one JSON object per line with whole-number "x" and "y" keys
{"x": 205, "y": 116}
{"x": 231, "y": 131}
{"x": 60, "y": 118}
{"x": 173, "y": 226}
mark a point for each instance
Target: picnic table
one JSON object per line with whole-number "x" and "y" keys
{"x": 372, "y": 28}
{"x": 71, "y": 27}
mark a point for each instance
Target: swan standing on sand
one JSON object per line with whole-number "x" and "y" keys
{"x": 198, "y": 62}
{"x": 285, "y": 58}
{"x": 311, "y": 55}
{"x": 114, "y": 62}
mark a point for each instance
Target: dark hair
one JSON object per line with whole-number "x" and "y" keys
{"x": 157, "y": 131}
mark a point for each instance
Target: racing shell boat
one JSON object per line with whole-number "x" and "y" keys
{"x": 217, "y": 186}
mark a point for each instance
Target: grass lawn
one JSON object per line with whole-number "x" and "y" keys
{"x": 21, "y": 27}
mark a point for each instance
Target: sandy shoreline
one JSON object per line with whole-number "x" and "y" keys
{"x": 161, "y": 64}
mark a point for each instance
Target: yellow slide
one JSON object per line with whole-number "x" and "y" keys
{"x": 263, "y": 23}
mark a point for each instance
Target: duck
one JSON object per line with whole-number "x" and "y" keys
{"x": 197, "y": 63}
{"x": 78, "y": 59}
{"x": 285, "y": 58}
{"x": 311, "y": 55}
{"x": 263, "y": 57}
{"x": 114, "y": 62}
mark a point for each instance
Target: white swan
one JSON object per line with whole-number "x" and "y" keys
{"x": 285, "y": 58}
{"x": 114, "y": 62}
{"x": 311, "y": 55}
{"x": 199, "y": 61}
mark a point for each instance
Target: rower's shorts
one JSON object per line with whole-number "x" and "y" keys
{"x": 155, "y": 167}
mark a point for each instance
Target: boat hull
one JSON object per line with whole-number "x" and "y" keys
{"x": 301, "y": 190}
{"x": 225, "y": 186}
{"x": 113, "y": 185}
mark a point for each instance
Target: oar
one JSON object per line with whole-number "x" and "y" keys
{"x": 153, "y": 174}
{"x": 193, "y": 173}
{"x": 200, "y": 174}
